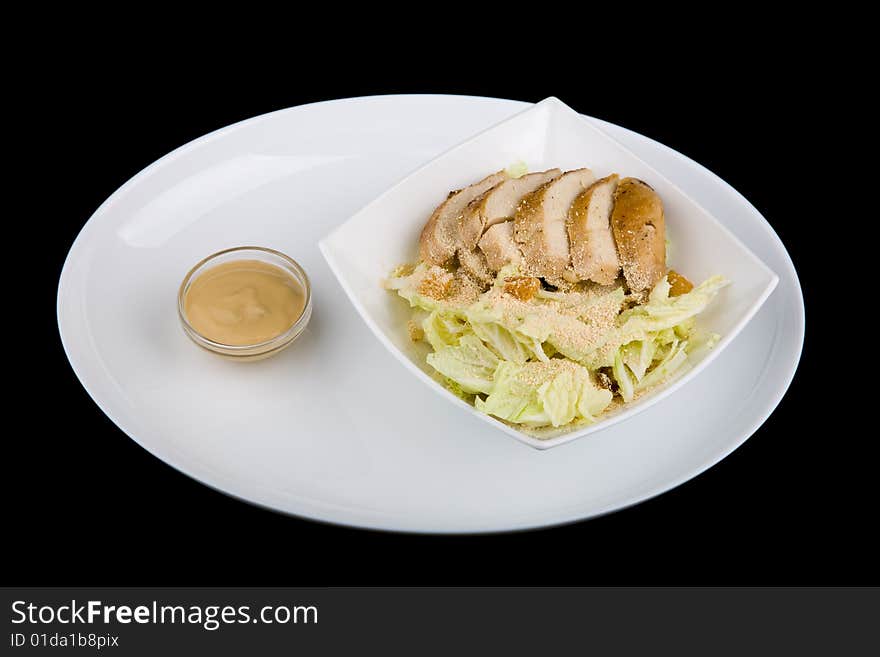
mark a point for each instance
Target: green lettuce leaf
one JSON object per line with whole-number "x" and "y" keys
{"x": 470, "y": 364}
{"x": 517, "y": 170}
{"x": 638, "y": 356}
{"x": 539, "y": 394}
{"x": 525, "y": 362}
{"x": 444, "y": 329}
{"x": 661, "y": 319}
{"x": 674, "y": 363}
{"x": 506, "y": 344}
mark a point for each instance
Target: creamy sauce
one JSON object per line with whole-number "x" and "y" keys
{"x": 243, "y": 302}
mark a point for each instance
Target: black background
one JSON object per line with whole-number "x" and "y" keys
{"x": 86, "y": 505}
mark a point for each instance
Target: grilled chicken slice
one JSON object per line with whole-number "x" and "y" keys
{"x": 640, "y": 233}
{"x": 593, "y": 252}
{"x": 439, "y": 238}
{"x": 539, "y": 224}
{"x": 473, "y": 262}
{"x": 499, "y": 247}
{"x": 497, "y": 205}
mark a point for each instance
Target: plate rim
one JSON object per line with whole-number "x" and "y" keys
{"x": 561, "y": 519}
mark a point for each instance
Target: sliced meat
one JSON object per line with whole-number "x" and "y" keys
{"x": 539, "y": 224}
{"x": 640, "y": 233}
{"x": 593, "y": 252}
{"x": 499, "y": 247}
{"x": 439, "y": 238}
{"x": 473, "y": 262}
{"x": 498, "y": 204}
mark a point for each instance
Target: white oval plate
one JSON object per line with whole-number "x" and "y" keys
{"x": 333, "y": 428}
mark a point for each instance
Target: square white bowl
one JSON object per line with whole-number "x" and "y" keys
{"x": 384, "y": 234}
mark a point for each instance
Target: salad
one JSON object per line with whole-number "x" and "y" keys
{"x": 546, "y": 299}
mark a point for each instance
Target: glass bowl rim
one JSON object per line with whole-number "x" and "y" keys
{"x": 233, "y": 349}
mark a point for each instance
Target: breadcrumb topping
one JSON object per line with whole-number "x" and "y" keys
{"x": 416, "y": 333}
{"x": 590, "y": 309}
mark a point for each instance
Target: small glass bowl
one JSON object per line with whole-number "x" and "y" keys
{"x": 260, "y": 350}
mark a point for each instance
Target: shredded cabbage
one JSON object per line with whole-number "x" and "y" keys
{"x": 522, "y": 363}
{"x": 653, "y": 339}
{"x": 539, "y": 394}
{"x": 517, "y": 169}
{"x": 469, "y": 363}
{"x": 444, "y": 329}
